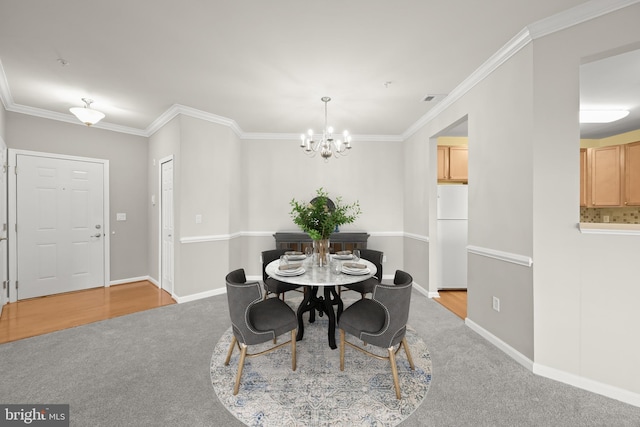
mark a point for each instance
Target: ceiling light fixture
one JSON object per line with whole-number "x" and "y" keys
{"x": 86, "y": 114}
{"x": 602, "y": 116}
{"x": 327, "y": 146}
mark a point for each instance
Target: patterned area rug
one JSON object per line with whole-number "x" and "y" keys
{"x": 318, "y": 393}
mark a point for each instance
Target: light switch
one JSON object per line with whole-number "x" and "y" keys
{"x": 198, "y": 219}
{"x": 121, "y": 217}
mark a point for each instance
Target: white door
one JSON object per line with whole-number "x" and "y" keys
{"x": 60, "y": 225}
{"x": 4, "y": 277}
{"x": 166, "y": 225}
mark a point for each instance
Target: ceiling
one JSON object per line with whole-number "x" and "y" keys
{"x": 264, "y": 65}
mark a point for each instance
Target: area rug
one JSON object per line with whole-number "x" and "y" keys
{"x": 318, "y": 393}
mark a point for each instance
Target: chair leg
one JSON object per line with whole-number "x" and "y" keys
{"x": 408, "y": 353}
{"x": 294, "y": 362}
{"x": 394, "y": 371}
{"x": 233, "y": 343}
{"x": 342, "y": 349}
{"x": 243, "y": 354}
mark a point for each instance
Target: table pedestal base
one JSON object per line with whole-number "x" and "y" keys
{"x": 313, "y": 302}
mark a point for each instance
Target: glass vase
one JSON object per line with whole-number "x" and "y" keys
{"x": 321, "y": 252}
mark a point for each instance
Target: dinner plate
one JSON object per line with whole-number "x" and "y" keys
{"x": 350, "y": 256}
{"x": 296, "y": 272}
{"x": 356, "y": 271}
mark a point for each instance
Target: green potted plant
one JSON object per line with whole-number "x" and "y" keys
{"x": 320, "y": 217}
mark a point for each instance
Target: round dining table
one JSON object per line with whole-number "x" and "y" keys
{"x": 328, "y": 277}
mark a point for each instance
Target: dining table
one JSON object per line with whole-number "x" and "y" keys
{"x": 329, "y": 277}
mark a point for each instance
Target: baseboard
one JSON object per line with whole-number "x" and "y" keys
{"x": 593, "y": 386}
{"x": 422, "y": 290}
{"x": 201, "y": 295}
{"x": 506, "y": 348}
{"x": 573, "y": 380}
{"x": 131, "y": 280}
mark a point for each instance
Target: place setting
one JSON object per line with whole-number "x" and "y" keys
{"x": 343, "y": 255}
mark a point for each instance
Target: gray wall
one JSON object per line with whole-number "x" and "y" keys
{"x": 586, "y": 289}
{"x": 127, "y": 157}
{"x": 242, "y": 189}
{"x": 278, "y": 171}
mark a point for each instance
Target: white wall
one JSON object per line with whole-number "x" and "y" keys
{"x": 127, "y": 155}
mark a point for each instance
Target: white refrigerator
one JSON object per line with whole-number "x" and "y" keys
{"x": 452, "y": 236}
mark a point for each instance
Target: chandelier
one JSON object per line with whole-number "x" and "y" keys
{"x": 326, "y": 146}
{"x": 86, "y": 114}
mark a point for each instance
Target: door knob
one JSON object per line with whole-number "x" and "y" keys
{"x": 97, "y": 235}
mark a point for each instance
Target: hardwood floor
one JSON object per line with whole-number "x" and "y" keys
{"x": 42, "y": 315}
{"x": 455, "y": 301}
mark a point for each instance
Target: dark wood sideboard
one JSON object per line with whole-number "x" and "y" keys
{"x": 340, "y": 241}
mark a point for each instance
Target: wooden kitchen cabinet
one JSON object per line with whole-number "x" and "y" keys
{"x": 583, "y": 177}
{"x": 453, "y": 163}
{"x": 606, "y": 176}
{"x": 632, "y": 174}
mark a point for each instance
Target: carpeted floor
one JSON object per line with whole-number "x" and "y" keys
{"x": 317, "y": 392}
{"x": 152, "y": 368}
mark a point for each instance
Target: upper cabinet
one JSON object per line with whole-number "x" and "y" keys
{"x": 453, "y": 163}
{"x": 610, "y": 176}
{"x": 607, "y": 176}
{"x": 632, "y": 174}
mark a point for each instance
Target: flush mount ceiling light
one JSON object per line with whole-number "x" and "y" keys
{"x": 86, "y": 114}
{"x": 326, "y": 146}
{"x": 602, "y": 116}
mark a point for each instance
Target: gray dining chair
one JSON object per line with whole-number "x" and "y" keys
{"x": 255, "y": 320}
{"x": 380, "y": 321}
{"x": 271, "y": 284}
{"x": 366, "y": 286}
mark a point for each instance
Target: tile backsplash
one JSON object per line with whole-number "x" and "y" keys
{"x": 616, "y": 215}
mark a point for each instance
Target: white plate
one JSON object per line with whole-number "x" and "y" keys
{"x": 350, "y": 256}
{"x": 296, "y": 272}
{"x": 296, "y": 257}
{"x": 356, "y": 271}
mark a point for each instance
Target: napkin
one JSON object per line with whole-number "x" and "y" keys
{"x": 289, "y": 266}
{"x": 343, "y": 253}
{"x": 293, "y": 253}
{"x": 354, "y": 265}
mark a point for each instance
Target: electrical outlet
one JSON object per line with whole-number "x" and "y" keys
{"x": 496, "y": 304}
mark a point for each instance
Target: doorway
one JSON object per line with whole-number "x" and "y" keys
{"x": 448, "y": 212}
{"x": 166, "y": 225}
{"x": 61, "y": 204}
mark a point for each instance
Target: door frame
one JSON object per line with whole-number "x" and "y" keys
{"x": 4, "y": 234}
{"x": 13, "y": 220}
{"x": 163, "y": 160}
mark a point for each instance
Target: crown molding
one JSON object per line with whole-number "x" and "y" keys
{"x": 560, "y": 21}
{"x": 68, "y": 118}
{"x": 176, "y": 109}
{"x": 503, "y": 54}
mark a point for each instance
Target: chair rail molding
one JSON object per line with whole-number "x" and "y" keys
{"x": 500, "y": 255}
